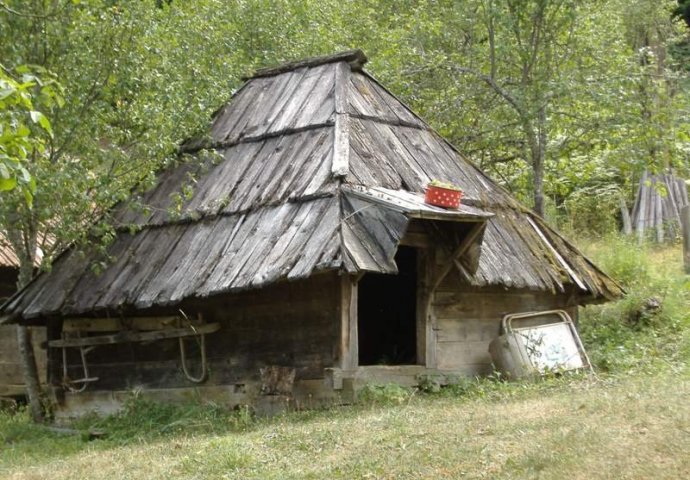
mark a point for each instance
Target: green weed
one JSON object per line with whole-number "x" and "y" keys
{"x": 388, "y": 394}
{"x": 145, "y": 419}
{"x": 647, "y": 330}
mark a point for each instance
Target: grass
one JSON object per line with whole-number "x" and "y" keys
{"x": 634, "y": 427}
{"x": 632, "y": 421}
{"x": 649, "y": 330}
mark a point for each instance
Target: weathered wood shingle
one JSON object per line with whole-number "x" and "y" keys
{"x": 299, "y": 148}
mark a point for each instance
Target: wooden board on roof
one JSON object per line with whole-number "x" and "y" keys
{"x": 271, "y": 208}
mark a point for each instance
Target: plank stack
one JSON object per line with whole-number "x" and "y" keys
{"x": 656, "y": 212}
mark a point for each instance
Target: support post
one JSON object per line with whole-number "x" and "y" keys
{"x": 349, "y": 342}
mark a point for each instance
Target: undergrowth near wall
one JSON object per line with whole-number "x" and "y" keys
{"x": 649, "y": 329}
{"x": 143, "y": 419}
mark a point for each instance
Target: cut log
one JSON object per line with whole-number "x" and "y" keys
{"x": 657, "y": 206}
{"x": 685, "y": 223}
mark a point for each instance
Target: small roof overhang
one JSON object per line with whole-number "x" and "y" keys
{"x": 375, "y": 220}
{"x": 412, "y": 205}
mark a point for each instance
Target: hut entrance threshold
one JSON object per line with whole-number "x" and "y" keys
{"x": 387, "y": 314}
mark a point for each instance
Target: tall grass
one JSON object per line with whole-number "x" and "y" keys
{"x": 143, "y": 419}
{"x": 649, "y": 329}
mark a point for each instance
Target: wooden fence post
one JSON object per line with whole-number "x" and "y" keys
{"x": 685, "y": 225}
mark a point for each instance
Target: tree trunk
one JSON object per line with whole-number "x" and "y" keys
{"x": 25, "y": 244}
{"x": 538, "y": 160}
{"x": 625, "y": 215}
{"x": 30, "y": 372}
{"x": 536, "y": 140}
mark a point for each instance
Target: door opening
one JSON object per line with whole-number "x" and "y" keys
{"x": 387, "y": 314}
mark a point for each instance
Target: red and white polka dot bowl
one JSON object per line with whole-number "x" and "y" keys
{"x": 442, "y": 197}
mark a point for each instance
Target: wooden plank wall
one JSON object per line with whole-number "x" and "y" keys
{"x": 292, "y": 324}
{"x": 466, "y": 319}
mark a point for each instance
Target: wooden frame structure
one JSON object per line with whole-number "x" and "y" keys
{"x": 320, "y": 182}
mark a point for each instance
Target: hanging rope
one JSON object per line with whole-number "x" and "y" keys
{"x": 183, "y": 355}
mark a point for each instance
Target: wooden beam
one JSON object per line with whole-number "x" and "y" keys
{"x": 126, "y": 336}
{"x": 426, "y": 339}
{"x": 471, "y": 236}
{"x": 558, "y": 256}
{"x": 353, "y": 59}
{"x": 117, "y": 324}
{"x": 349, "y": 342}
{"x": 422, "y": 293}
{"x": 341, "y": 144}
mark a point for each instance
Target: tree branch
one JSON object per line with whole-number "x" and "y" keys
{"x": 496, "y": 87}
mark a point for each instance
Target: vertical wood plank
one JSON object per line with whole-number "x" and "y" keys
{"x": 349, "y": 346}
{"x": 423, "y": 301}
{"x": 642, "y": 208}
{"x": 659, "y": 220}
{"x": 341, "y": 146}
{"x": 429, "y": 314}
{"x": 625, "y": 215}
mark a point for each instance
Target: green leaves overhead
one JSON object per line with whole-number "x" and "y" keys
{"x": 561, "y": 85}
{"x": 24, "y": 130}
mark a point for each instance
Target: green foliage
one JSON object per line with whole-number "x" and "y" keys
{"x": 596, "y": 90}
{"x": 16, "y": 426}
{"x": 592, "y": 210}
{"x": 25, "y": 130}
{"x": 682, "y": 11}
{"x": 388, "y": 394}
{"x": 144, "y": 419}
{"x": 647, "y": 330}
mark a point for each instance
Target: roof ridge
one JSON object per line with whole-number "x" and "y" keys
{"x": 356, "y": 58}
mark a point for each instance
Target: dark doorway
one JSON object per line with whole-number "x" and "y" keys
{"x": 387, "y": 314}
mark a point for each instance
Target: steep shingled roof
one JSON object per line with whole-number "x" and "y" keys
{"x": 302, "y": 146}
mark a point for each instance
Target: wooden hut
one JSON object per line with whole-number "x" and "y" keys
{"x": 304, "y": 261}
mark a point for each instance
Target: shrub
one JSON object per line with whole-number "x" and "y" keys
{"x": 647, "y": 329}
{"x": 388, "y": 394}
{"x": 592, "y": 210}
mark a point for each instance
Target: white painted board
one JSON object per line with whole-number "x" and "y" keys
{"x": 551, "y": 347}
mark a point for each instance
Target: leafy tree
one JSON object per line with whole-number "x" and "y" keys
{"x": 24, "y": 128}
{"x": 682, "y": 11}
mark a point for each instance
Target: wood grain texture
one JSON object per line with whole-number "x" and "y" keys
{"x": 271, "y": 205}
{"x": 469, "y": 318}
{"x": 256, "y": 329}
